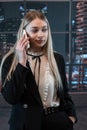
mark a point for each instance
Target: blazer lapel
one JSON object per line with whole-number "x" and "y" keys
{"x": 33, "y": 87}
{"x": 58, "y": 61}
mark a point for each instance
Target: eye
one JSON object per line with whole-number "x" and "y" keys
{"x": 44, "y": 29}
{"x": 34, "y": 30}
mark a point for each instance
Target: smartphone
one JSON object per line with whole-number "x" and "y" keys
{"x": 25, "y": 33}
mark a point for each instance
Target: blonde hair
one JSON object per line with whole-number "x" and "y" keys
{"x": 31, "y": 15}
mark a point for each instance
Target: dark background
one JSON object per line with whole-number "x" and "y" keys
{"x": 62, "y": 18}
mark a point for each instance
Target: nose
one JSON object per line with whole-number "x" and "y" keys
{"x": 40, "y": 33}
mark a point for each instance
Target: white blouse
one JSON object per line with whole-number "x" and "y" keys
{"x": 47, "y": 89}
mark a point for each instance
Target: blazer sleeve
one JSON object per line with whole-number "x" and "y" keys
{"x": 68, "y": 103}
{"x": 14, "y": 87}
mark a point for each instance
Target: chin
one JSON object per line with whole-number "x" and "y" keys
{"x": 41, "y": 45}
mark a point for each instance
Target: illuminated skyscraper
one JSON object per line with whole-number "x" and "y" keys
{"x": 81, "y": 42}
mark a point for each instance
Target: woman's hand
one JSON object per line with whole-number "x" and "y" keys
{"x": 21, "y": 49}
{"x": 72, "y": 119}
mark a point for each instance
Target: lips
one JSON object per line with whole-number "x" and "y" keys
{"x": 40, "y": 41}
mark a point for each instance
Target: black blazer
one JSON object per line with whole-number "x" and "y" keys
{"x": 22, "y": 92}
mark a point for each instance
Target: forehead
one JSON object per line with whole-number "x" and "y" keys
{"x": 37, "y": 23}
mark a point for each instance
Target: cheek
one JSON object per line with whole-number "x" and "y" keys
{"x": 32, "y": 37}
{"x": 46, "y": 36}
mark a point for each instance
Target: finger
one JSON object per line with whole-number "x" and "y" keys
{"x": 23, "y": 43}
{"x": 22, "y": 40}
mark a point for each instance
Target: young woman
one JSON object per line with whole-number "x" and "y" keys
{"x": 34, "y": 81}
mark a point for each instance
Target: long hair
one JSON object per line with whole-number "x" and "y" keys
{"x": 29, "y": 17}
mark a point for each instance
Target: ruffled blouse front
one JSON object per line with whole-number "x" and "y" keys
{"x": 47, "y": 89}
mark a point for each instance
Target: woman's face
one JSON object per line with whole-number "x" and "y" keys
{"x": 38, "y": 33}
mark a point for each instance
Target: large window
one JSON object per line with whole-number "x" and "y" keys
{"x": 68, "y": 21}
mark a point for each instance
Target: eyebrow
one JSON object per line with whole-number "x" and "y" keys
{"x": 33, "y": 27}
{"x": 38, "y": 27}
